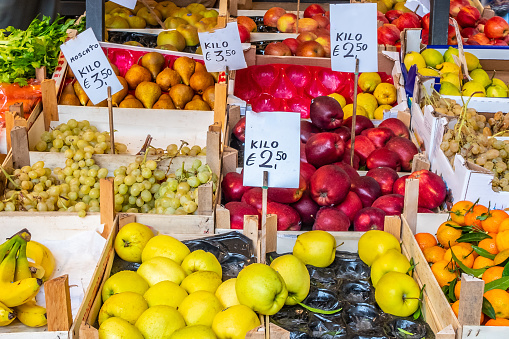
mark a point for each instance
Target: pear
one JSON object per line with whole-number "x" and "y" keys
{"x": 164, "y": 102}
{"x": 209, "y": 96}
{"x": 185, "y": 68}
{"x": 69, "y": 99}
{"x": 447, "y": 88}
{"x": 154, "y": 62}
{"x": 472, "y": 61}
{"x": 103, "y": 103}
{"x": 197, "y": 105}
{"x": 181, "y": 94}
{"x": 136, "y": 75}
{"x": 168, "y": 78}
{"x": 200, "y": 81}
{"x": 497, "y": 81}
{"x": 190, "y": 34}
{"x": 472, "y": 87}
{"x": 131, "y": 102}
{"x": 80, "y": 93}
{"x": 120, "y": 95}
{"x": 115, "y": 69}
{"x": 432, "y": 57}
{"x": 496, "y": 91}
{"x": 68, "y": 89}
{"x": 215, "y": 75}
{"x": 449, "y": 53}
{"x": 479, "y": 75}
{"x": 148, "y": 93}
{"x": 70, "y": 73}
{"x": 199, "y": 67}
{"x": 414, "y": 58}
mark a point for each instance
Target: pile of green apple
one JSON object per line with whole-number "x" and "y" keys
{"x": 396, "y": 292}
{"x": 431, "y": 62}
{"x": 176, "y": 293}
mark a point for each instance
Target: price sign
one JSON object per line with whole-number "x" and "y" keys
{"x": 222, "y": 48}
{"x": 90, "y": 66}
{"x": 126, "y": 3}
{"x": 354, "y": 36}
{"x": 273, "y": 145}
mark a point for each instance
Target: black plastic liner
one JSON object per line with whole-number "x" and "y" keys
{"x": 147, "y": 40}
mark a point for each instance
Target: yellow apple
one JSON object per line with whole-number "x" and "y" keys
{"x": 397, "y": 294}
{"x": 374, "y": 243}
{"x": 234, "y": 322}
{"x": 160, "y": 322}
{"x": 201, "y": 280}
{"x": 201, "y": 261}
{"x": 126, "y": 305}
{"x": 317, "y": 248}
{"x": 226, "y": 293}
{"x": 130, "y": 241}
{"x": 295, "y": 275}
{"x": 165, "y": 246}
{"x": 194, "y": 332}
{"x": 114, "y": 328}
{"x": 165, "y": 293}
{"x": 124, "y": 281}
{"x": 390, "y": 261}
{"x": 159, "y": 269}
{"x": 200, "y": 308}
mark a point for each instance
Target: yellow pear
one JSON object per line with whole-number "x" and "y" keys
{"x": 199, "y": 67}
{"x": 131, "y": 102}
{"x": 80, "y": 93}
{"x": 180, "y": 95}
{"x": 472, "y": 87}
{"x": 148, "y": 93}
{"x": 197, "y": 105}
{"x": 184, "y": 66}
{"x": 168, "y": 78}
{"x": 200, "y": 81}
{"x": 414, "y": 58}
{"x": 69, "y": 99}
{"x": 136, "y": 75}
{"x": 120, "y": 95}
{"x": 164, "y": 102}
{"x": 154, "y": 62}
{"x": 209, "y": 96}
{"x": 453, "y": 78}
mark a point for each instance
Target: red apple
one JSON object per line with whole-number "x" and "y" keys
{"x": 352, "y": 173}
{"x": 388, "y": 34}
{"x": 331, "y": 219}
{"x": 361, "y": 123}
{"x": 253, "y": 197}
{"x": 324, "y": 40}
{"x": 456, "y": 5}
{"x": 468, "y": 32}
{"x": 303, "y": 152}
{"x": 351, "y": 205}
{"x": 496, "y": 28}
{"x": 432, "y": 190}
{"x": 247, "y": 22}
{"x": 326, "y": 113}
{"x": 425, "y": 22}
{"x": 287, "y": 218}
{"x": 424, "y": 37}
{"x": 321, "y": 19}
{"x": 480, "y": 25}
{"x": 232, "y": 186}
{"x": 287, "y": 195}
{"x": 397, "y": 126}
{"x": 237, "y": 212}
{"x": 480, "y": 38}
{"x": 406, "y": 150}
{"x": 324, "y": 148}
{"x": 369, "y": 218}
{"x": 313, "y": 10}
{"x": 424, "y": 210}
{"x": 292, "y": 44}
{"x": 468, "y": 16}
{"x": 287, "y": 23}
{"x": 277, "y": 48}
{"x": 399, "y": 185}
{"x": 329, "y": 185}
{"x": 407, "y": 20}
{"x": 272, "y": 15}
{"x": 306, "y": 171}
{"x": 378, "y": 136}
{"x": 383, "y": 157}
{"x": 498, "y": 43}
{"x": 307, "y": 129}
{"x": 367, "y": 189}
{"x": 239, "y": 130}
{"x": 306, "y": 36}
{"x": 347, "y": 159}
{"x": 343, "y": 132}
{"x": 393, "y": 14}
{"x": 385, "y": 177}
{"x": 381, "y": 17}
{"x": 452, "y": 39}
{"x": 363, "y": 147}
{"x": 327, "y": 14}
{"x": 311, "y": 49}
{"x": 307, "y": 209}
{"x": 244, "y": 34}
{"x": 307, "y": 25}
{"x": 391, "y": 204}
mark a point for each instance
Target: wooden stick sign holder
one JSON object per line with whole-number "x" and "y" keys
{"x": 354, "y": 114}
{"x": 110, "y": 116}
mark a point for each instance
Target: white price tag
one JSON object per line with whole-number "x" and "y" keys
{"x": 90, "y": 66}
{"x": 272, "y": 145}
{"x": 354, "y": 35}
{"x": 126, "y": 3}
{"x": 221, "y": 48}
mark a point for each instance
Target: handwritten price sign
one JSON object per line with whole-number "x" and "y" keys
{"x": 90, "y": 66}
{"x": 354, "y": 36}
{"x": 222, "y": 48}
{"x": 271, "y": 148}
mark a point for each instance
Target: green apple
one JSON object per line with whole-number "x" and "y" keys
{"x": 497, "y": 81}
{"x": 194, "y": 332}
{"x": 147, "y": 15}
{"x": 201, "y": 261}
{"x": 180, "y": 12}
{"x": 120, "y": 10}
{"x": 200, "y": 308}
{"x": 211, "y": 13}
{"x": 165, "y": 246}
{"x": 432, "y": 57}
{"x": 124, "y": 281}
{"x": 190, "y": 34}
{"x": 136, "y": 22}
{"x": 159, "y": 269}
{"x": 116, "y": 22}
{"x": 234, "y": 322}
{"x": 201, "y": 281}
{"x": 479, "y": 75}
{"x": 374, "y": 243}
{"x": 165, "y": 293}
{"x": 173, "y": 38}
{"x": 126, "y": 305}
{"x": 130, "y": 241}
{"x": 173, "y": 23}
{"x": 317, "y": 248}
{"x": 496, "y": 91}
{"x": 165, "y": 8}
{"x": 261, "y": 288}
{"x": 226, "y": 293}
{"x": 295, "y": 275}
{"x": 115, "y": 328}
{"x": 472, "y": 87}
{"x": 390, "y": 261}
{"x": 196, "y": 7}
{"x": 397, "y": 294}
{"x": 192, "y": 18}
{"x": 160, "y": 322}
{"x": 447, "y": 88}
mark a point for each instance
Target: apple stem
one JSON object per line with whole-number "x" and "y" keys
{"x": 340, "y": 244}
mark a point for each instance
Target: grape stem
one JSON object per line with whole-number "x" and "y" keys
{"x": 183, "y": 143}
{"x": 8, "y": 176}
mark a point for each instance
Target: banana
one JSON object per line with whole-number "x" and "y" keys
{"x": 19, "y": 292}
{"x": 5, "y": 247}
{"x": 8, "y": 265}
{"x": 22, "y": 264}
{"x": 36, "y": 270}
{"x": 6, "y": 315}
{"x": 46, "y": 260}
{"x": 31, "y": 314}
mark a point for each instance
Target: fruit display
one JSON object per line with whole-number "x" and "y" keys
{"x": 158, "y": 81}
{"x": 472, "y": 241}
{"x": 21, "y": 279}
{"x": 291, "y": 88}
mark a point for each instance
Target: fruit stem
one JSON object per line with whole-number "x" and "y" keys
{"x": 8, "y": 176}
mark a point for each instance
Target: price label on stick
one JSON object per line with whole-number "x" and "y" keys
{"x": 354, "y": 36}
{"x": 90, "y": 66}
{"x": 272, "y": 145}
{"x": 126, "y": 3}
{"x": 222, "y": 48}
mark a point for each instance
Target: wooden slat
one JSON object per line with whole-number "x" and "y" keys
{"x": 214, "y": 151}
{"x": 271, "y": 235}
{"x": 220, "y": 93}
{"x": 222, "y": 217}
{"x": 20, "y": 152}
{"x": 471, "y": 298}
{"x": 17, "y": 108}
{"x": 392, "y": 225}
{"x": 420, "y": 162}
{"x": 205, "y": 203}
{"x": 58, "y": 304}
{"x": 107, "y": 202}
{"x": 276, "y": 332}
{"x": 40, "y": 73}
{"x": 49, "y": 102}
{"x": 250, "y": 228}
{"x": 411, "y": 202}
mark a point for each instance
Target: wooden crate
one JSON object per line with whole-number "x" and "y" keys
{"x": 57, "y": 231}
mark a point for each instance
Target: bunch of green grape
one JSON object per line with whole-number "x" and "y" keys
{"x": 173, "y": 150}
{"x": 77, "y": 136}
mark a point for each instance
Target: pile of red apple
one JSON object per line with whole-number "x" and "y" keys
{"x": 474, "y": 29}
{"x": 332, "y": 195}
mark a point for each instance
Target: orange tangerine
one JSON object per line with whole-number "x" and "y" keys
{"x": 499, "y": 299}
{"x": 462, "y": 254}
{"x": 504, "y": 225}
{"x": 456, "y": 307}
{"x": 459, "y": 210}
{"x": 468, "y": 246}
{"x": 497, "y": 322}
{"x": 502, "y": 241}
{"x": 471, "y": 217}
{"x": 443, "y": 274}
{"x": 457, "y": 289}
{"x": 481, "y": 262}
{"x": 489, "y": 245}
{"x": 493, "y": 220}
{"x": 492, "y": 273}
{"x": 434, "y": 254}
{"x": 425, "y": 240}
{"x": 448, "y": 235}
